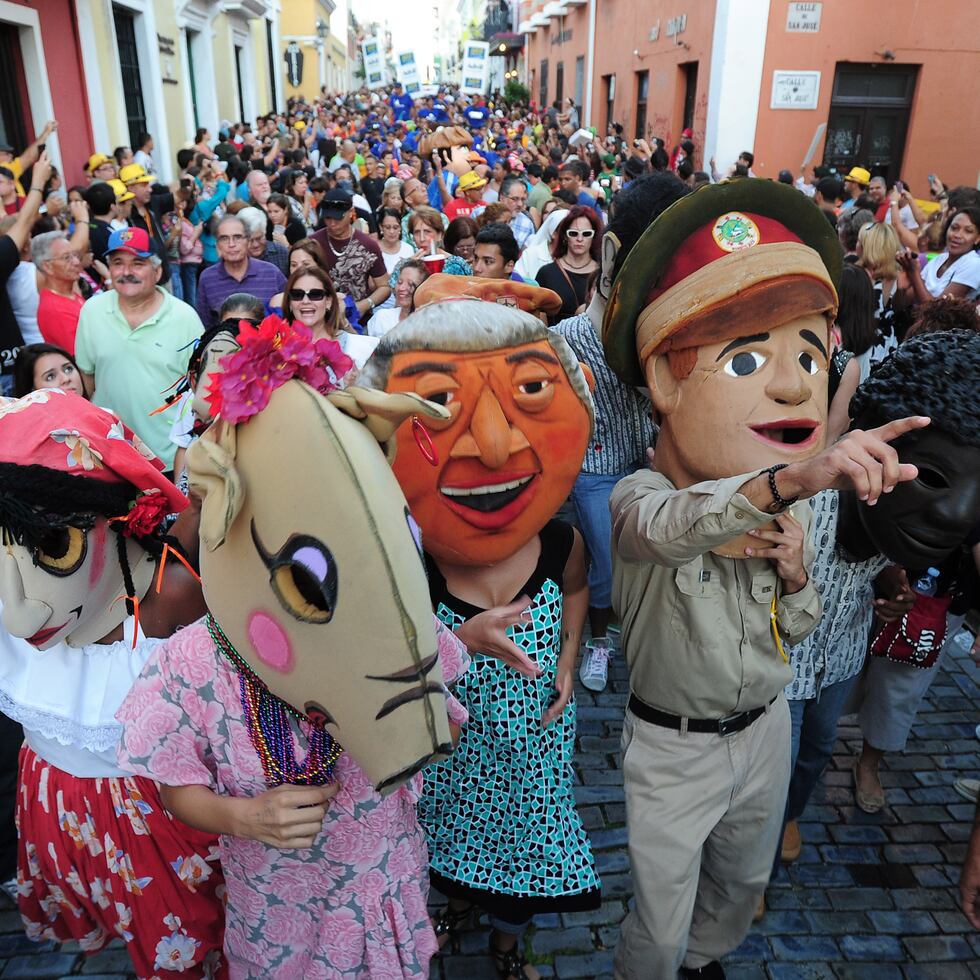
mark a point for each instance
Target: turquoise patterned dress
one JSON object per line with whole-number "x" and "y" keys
{"x": 499, "y": 815}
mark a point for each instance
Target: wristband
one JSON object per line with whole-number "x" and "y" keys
{"x": 778, "y": 499}
{"x": 38, "y": 189}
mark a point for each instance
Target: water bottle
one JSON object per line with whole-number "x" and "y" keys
{"x": 928, "y": 583}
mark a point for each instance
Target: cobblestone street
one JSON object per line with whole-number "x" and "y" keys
{"x": 870, "y": 897}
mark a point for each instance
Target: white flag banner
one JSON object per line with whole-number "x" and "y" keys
{"x": 373, "y": 53}
{"x": 476, "y": 64}
{"x": 408, "y": 71}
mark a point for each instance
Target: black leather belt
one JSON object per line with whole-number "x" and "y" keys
{"x": 728, "y": 725}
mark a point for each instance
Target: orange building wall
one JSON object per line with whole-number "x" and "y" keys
{"x": 545, "y": 44}
{"x": 943, "y": 36}
{"x": 622, "y": 28}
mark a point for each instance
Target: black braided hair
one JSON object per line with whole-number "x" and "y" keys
{"x": 935, "y": 374}
{"x": 36, "y": 500}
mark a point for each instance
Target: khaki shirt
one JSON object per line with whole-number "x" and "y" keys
{"x": 696, "y": 626}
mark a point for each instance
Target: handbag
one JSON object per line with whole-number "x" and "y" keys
{"x": 917, "y": 638}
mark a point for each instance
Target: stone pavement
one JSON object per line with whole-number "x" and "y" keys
{"x": 871, "y": 896}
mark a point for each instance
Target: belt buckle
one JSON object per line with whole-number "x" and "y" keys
{"x": 729, "y": 725}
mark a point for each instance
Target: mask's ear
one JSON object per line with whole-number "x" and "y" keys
{"x": 663, "y": 385}
{"x": 589, "y": 376}
{"x": 212, "y": 476}
{"x": 610, "y": 249}
{"x": 383, "y": 412}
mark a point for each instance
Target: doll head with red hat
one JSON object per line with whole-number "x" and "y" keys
{"x": 82, "y": 504}
{"x": 723, "y": 310}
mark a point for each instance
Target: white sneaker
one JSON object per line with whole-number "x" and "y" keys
{"x": 594, "y": 671}
{"x": 969, "y": 789}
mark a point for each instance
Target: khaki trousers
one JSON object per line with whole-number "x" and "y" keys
{"x": 704, "y": 813}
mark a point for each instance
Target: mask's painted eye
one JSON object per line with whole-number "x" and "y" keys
{"x": 808, "y": 363}
{"x": 415, "y": 530}
{"x": 303, "y": 575}
{"x": 744, "y": 363}
{"x": 62, "y": 551}
{"x": 440, "y": 397}
{"x": 932, "y": 478}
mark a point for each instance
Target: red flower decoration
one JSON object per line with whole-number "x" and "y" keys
{"x": 272, "y": 354}
{"x": 146, "y": 514}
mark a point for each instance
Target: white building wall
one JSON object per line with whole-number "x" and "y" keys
{"x": 737, "y": 52}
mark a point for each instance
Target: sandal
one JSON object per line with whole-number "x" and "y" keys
{"x": 448, "y": 922}
{"x": 509, "y": 963}
{"x": 868, "y": 802}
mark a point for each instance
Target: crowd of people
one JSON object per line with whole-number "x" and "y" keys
{"x": 132, "y": 293}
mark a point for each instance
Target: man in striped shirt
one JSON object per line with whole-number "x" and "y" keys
{"x": 623, "y": 422}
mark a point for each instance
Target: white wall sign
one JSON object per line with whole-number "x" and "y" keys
{"x": 374, "y": 62}
{"x": 407, "y": 70}
{"x": 803, "y": 18}
{"x": 795, "y": 90}
{"x": 476, "y": 58}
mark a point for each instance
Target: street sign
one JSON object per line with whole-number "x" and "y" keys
{"x": 803, "y": 18}
{"x": 795, "y": 90}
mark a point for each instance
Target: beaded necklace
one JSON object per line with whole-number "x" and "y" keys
{"x": 267, "y": 721}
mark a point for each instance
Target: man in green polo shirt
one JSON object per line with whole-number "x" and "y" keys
{"x": 133, "y": 341}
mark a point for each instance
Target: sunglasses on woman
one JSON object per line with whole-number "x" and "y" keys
{"x": 575, "y": 233}
{"x": 298, "y": 295}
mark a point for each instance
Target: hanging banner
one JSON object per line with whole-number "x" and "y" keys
{"x": 476, "y": 63}
{"x": 407, "y": 70}
{"x": 374, "y": 62}
{"x": 294, "y": 64}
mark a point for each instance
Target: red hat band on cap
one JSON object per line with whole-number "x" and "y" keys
{"x": 729, "y": 232}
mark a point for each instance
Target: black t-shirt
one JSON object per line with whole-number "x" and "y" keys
{"x": 10, "y": 336}
{"x": 373, "y": 189}
{"x": 98, "y": 236}
{"x": 572, "y": 290}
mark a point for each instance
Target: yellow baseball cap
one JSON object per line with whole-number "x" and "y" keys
{"x": 860, "y": 176}
{"x": 123, "y": 194}
{"x": 96, "y": 160}
{"x": 135, "y": 174}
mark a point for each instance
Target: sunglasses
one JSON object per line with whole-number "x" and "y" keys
{"x": 233, "y": 321}
{"x": 575, "y": 233}
{"x": 298, "y": 295}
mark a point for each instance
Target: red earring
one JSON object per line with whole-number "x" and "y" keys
{"x": 421, "y": 433}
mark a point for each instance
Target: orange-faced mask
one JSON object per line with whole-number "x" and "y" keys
{"x": 484, "y": 482}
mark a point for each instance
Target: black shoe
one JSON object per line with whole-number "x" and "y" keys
{"x": 710, "y": 971}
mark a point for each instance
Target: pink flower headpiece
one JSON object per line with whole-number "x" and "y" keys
{"x": 271, "y": 354}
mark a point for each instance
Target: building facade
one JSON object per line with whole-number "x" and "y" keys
{"x": 793, "y": 82}
{"x": 316, "y": 29}
{"x": 109, "y": 70}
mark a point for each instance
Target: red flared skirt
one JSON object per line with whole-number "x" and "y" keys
{"x": 101, "y": 858}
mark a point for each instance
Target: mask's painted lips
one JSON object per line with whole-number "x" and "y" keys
{"x": 42, "y": 636}
{"x": 797, "y": 433}
{"x": 491, "y": 506}
{"x": 925, "y": 544}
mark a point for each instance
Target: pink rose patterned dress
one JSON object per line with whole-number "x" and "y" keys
{"x": 351, "y": 906}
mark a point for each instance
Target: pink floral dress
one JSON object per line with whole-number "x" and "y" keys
{"x": 351, "y": 906}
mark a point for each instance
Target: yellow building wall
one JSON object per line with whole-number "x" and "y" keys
{"x": 260, "y": 59}
{"x": 298, "y": 18}
{"x": 223, "y": 52}
{"x": 173, "y": 70}
{"x": 114, "y": 106}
